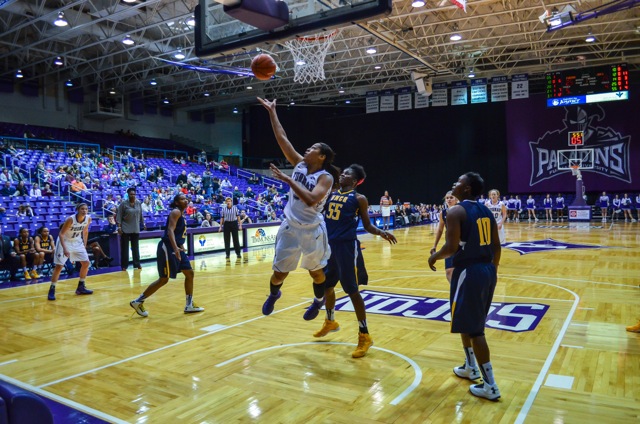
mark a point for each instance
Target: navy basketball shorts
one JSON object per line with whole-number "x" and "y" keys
{"x": 471, "y": 294}
{"x": 448, "y": 263}
{"x": 168, "y": 264}
{"x": 343, "y": 265}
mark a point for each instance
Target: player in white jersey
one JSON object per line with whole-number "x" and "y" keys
{"x": 302, "y": 232}
{"x": 499, "y": 211}
{"x": 72, "y": 244}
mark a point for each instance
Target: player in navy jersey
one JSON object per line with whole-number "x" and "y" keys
{"x": 625, "y": 204}
{"x": 472, "y": 236}
{"x": 603, "y": 202}
{"x": 450, "y": 201}
{"x": 560, "y": 207}
{"x": 303, "y": 232}
{"x": 172, "y": 258}
{"x": 548, "y": 207}
{"x": 344, "y": 207}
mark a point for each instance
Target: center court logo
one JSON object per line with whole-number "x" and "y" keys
{"x": 260, "y": 236}
{"x": 516, "y": 317}
{"x": 524, "y": 247}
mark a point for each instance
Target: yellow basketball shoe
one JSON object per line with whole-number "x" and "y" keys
{"x": 364, "y": 343}
{"x": 327, "y": 327}
{"x": 634, "y": 328}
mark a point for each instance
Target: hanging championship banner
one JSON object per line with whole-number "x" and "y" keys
{"x": 499, "y": 89}
{"x": 421, "y": 101}
{"x": 387, "y": 101}
{"x": 439, "y": 96}
{"x": 404, "y": 98}
{"x": 520, "y": 86}
{"x": 459, "y": 94}
{"x": 372, "y": 102}
{"x": 479, "y": 90}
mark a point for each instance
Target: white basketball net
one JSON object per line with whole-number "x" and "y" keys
{"x": 308, "y": 56}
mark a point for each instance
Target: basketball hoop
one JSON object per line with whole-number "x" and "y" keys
{"x": 575, "y": 171}
{"x": 308, "y": 56}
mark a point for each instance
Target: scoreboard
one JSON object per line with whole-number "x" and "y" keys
{"x": 588, "y": 85}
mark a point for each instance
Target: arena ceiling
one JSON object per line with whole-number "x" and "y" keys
{"x": 499, "y": 37}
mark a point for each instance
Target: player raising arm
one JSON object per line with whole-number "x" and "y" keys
{"x": 303, "y": 231}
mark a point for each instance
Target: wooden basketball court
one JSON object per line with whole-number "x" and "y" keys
{"x": 232, "y": 364}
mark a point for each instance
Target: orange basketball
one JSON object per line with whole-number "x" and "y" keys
{"x": 263, "y": 67}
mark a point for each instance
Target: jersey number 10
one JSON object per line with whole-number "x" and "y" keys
{"x": 484, "y": 231}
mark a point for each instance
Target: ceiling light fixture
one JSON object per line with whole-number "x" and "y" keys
{"x": 418, "y": 3}
{"x": 371, "y": 50}
{"x": 165, "y": 101}
{"x": 58, "y": 61}
{"x": 61, "y": 21}
{"x": 112, "y": 91}
{"x": 19, "y": 74}
{"x": 206, "y": 94}
{"x": 348, "y": 102}
{"x": 249, "y": 87}
{"x": 377, "y": 67}
{"x": 235, "y": 110}
{"x": 191, "y": 21}
{"x": 69, "y": 83}
{"x": 153, "y": 82}
{"x": 128, "y": 41}
{"x": 455, "y": 37}
{"x": 590, "y": 38}
{"x": 471, "y": 73}
{"x": 179, "y": 55}
{"x": 129, "y": 1}
{"x": 341, "y": 91}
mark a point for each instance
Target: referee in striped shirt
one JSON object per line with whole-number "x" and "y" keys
{"x": 231, "y": 224}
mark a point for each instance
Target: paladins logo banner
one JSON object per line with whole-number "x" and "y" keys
{"x": 516, "y": 317}
{"x": 611, "y": 150}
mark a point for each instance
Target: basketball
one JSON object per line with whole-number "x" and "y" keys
{"x": 263, "y": 67}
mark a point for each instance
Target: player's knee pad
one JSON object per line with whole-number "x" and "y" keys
{"x": 474, "y": 335}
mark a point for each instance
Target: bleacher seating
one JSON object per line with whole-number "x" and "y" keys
{"x": 18, "y": 406}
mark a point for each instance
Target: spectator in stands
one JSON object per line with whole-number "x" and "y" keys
{"x": 215, "y": 186}
{"x": 85, "y": 168}
{"x": 175, "y": 159}
{"x": 237, "y": 194}
{"x": 17, "y": 175}
{"x": 223, "y": 165}
{"x": 159, "y": 206}
{"x": 208, "y": 221}
{"x": 249, "y": 194}
{"x": 20, "y": 190}
{"x": 254, "y": 179}
{"x": 226, "y": 184}
{"x": 182, "y": 178}
{"x": 110, "y": 227}
{"x": 7, "y": 190}
{"x": 28, "y": 134}
{"x": 25, "y": 210}
{"x": 159, "y": 173}
{"x": 48, "y": 150}
{"x": 78, "y": 189}
{"x": 46, "y": 191}
{"x": 244, "y": 218}
{"x": 71, "y": 153}
{"x": 11, "y": 149}
{"x": 44, "y": 245}
{"x": 3, "y": 212}
{"x": 30, "y": 261}
{"x": 79, "y": 154}
{"x": 273, "y": 217}
{"x": 6, "y": 176}
{"x": 35, "y": 190}
{"x": 147, "y": 207}
{"x": 8, "y": 258}
{"x": 129, "y": 218}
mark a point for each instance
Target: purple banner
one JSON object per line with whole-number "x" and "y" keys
{"x": 516, "y": 317}
{"x": 536, "y": 135}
